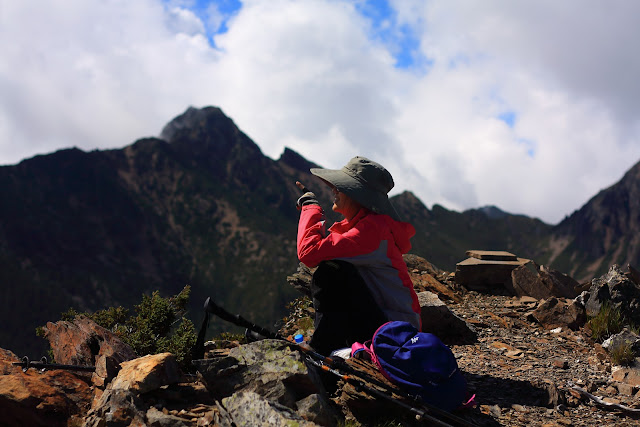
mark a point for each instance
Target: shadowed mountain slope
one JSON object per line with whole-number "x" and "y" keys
{"x": 201, "y": 206}
{"x": 605, "y": 231}
{"x": 443, "y": 236}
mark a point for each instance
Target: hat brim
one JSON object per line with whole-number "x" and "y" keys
{"x": 370, "y": 199}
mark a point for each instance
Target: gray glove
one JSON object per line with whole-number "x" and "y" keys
{"x": 306, "y": 199}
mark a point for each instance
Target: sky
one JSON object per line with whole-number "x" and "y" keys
{"x": 532, "y": 106}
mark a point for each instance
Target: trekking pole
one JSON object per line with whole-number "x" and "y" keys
{"x": 331, "y": 365}
{"x": 420, "y": 414}
{"x": 43, "y": 364}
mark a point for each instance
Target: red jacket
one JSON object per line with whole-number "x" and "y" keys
{"x": 372, "y": 242}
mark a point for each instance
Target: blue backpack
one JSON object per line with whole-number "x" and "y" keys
{"x": 419, "y": 363}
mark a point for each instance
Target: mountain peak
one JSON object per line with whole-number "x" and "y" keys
{"x": 192, "y": 118}
{"x": 296, "y": 161}
{"x": 592, "y": 237}
{"x": 207, "y": 136}
{"x": 492, "y": 212}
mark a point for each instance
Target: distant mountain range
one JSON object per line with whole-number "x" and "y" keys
{"x": 202, "y": 205}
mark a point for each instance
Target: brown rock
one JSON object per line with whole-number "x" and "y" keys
{"x": 560, "y": 363}
{"x": 415, "y": 262}
{"x": 575, "y": 393}
{"x": 627, "y": 375}
{"x": 541, "y": 282}
{"x": 82, "y": 342}
{"x": 248, "y": 409}
{"x": 147, "y": 373}
{"x": 633, "y": 274}
{"x": 301, "y": 279}
{"x": 34, "y": 398}
{"x": 439, "y": 320}
{"x": 424, "y": 277}
{"x": 364, "y": 407}
{"x": 426, "y": 282}
{"x": 618, "y": 291}
{"x": 626, "y": 389}
{"x": 554, "y": 396}
{"x": 556, "y": 312}
{"x": 601, "y": 353}
{"x": 117, "y": 408}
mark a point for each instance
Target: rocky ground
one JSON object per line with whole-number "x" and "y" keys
{"x": 524, "y": 374}
{"x": 532, "y": 361}
{"x": 528, "y": 362}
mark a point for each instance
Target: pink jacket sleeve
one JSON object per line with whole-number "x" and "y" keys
{"x": 314, "y": 247}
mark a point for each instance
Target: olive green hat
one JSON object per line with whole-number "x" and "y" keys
{"x": 365, "y": 181}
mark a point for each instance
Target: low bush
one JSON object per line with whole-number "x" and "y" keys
{"x": 609, "y": 321}
{"x": 622, "y": 354}
{"x": 157, "y": 326}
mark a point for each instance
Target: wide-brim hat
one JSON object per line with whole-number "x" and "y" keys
{"x": 365, "y": 181}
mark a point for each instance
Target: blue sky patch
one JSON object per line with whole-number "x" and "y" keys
{"x": 530, "y": 145}
{"x": 401, "y": 40}
{"x": 213, "y": 14}
{"x": 509, "y": 117}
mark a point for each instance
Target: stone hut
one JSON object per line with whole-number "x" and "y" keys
{"x": 487, "y": 271}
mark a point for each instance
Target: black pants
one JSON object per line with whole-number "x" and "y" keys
{"x": 345, "y": 310}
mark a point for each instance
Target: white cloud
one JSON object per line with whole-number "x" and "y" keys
{"x": 557, "y": 67}
{"x": 301, "y": 69}
{"x": 308, "y": 75}
{"x": 93, "y": 74}
{"x": 183, "y": 21}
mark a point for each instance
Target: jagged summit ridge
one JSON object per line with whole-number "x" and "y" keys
{"x": 296, "y": 161}
{"x": 606, "y": 230}
{"x": 208, "y": 136}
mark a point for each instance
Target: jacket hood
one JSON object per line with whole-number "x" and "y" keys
{"x": 402, "y": 233}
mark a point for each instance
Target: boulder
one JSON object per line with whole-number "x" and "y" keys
{"x": 84, "y": 342}
{"x": 415, "y": 262}
{"x": 252, "y": 409}
{"x": 633, "y": 274}
{"x": 301, "y": 279}
{"x": 117, "y": 408}
{"x": 541, "y": 282}
{"x": 559, "y": 312}
{"x": 156, "y": 417}
{"x": 627, "y": 374}
{"x": 270, "y": 368}
{"x": 317, "y": 409}
{"x": 552, "y": 396}
{"x": 34, "y": 398}
{"x": 440, "y": 321}
{"x": 623, "y": 338}
{"x": 619, "y": 291}
{"x": 423, "y": 281}
{"x": 123, "y": 403}
{"x": 147, "y": 373}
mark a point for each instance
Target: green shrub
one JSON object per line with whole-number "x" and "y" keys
{"x": 623, "y": 354}
{"x": 158, "y": 325}
{"x": 229, "y": 336}
{"x": 111, "y": 317}
{"x": 609, "y": 321}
